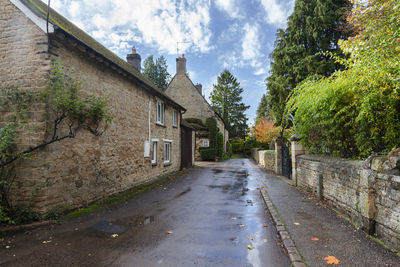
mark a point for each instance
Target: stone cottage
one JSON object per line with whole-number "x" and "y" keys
{"x": 143, "y": 141}
{"x": 182, "y": 89}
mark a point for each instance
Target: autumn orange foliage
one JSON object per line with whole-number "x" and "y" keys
{"x": 265, "y": 131}
{"x": 331, "y": 260}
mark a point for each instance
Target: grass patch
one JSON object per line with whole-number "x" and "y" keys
{"x": 120, "y": 197}
{"x": 344, "y": 217}
{"x": 237, "y": 156}
{"x": 377, "y": 240}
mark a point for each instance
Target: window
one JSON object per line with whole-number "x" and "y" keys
{"x": 154, "y": 155}
{"x": 160, "y": 112}
{"x": 167, "y": 153}
{"x": 175, "y": 118}
{"x": 206, "y": 143}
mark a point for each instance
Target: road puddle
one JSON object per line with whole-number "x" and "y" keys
{"x": 109, "y": 227}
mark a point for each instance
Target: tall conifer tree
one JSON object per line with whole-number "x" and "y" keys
{"x": 157, "y": 71}
{"x": 314, "y": 27}
{"x": 227, "y": 100}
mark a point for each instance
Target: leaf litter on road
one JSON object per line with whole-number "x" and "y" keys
{"x": 114, "y": 235}
{"x": 315, "y": 239}
{"x": 331, "y": 260}
{"x": 168, "y": 232}
{"x": 251, "y": 238}
{"x": 250, "y": 247}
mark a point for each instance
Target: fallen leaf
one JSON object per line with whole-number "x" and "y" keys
{"x": 234, "y": 218}
{"x": 68, "y": 244}
{"x": 1, "y": 239}
{"x": 265, "y": 240}
{"x": 250, "y": 247}
{"x": 169, "y": 232}
{"x": 90, "y": 254}
{"x": 296, "y": 223}
{"x": 241, "y": 225}
{"x": 331, "y": 260}
{"x": 314, "y": 239}
{"x": 265, "y": 225}
{"x": 251, "y": 238}
{"x": 7, "y": 246}
{"x": 46, "y": 241}
{"x": 76, "y": 229}
{"x": 114, "y": 235}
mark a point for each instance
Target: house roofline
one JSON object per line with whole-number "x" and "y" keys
{"x": 59, "y": 24}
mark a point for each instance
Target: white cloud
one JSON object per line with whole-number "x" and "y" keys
{"x": 231, "y": 7}
{"x": 159, "y": 23}
{"x": 277, "y": 11}
{"x": 247, "y": 53}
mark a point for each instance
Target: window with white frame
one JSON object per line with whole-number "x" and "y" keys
{"x": 175, "y": 118}
{"x": 206, "y": 143}
{"x": 167, "y": 152}
{"x": 154, "y": 154}
{"x": 160, "y": 112}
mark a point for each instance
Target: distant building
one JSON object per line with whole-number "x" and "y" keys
{"x": 183, "y": 91}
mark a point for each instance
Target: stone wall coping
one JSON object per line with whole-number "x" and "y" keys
{"x": 332, "y": 160}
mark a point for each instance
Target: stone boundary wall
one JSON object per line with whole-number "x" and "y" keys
{"x": 254, "y": 154}
{"x": 368, "y": 191}
{"x": 267, "y": 159}
{"x": 264, "y": 158}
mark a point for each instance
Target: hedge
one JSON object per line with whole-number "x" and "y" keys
{"x": 207, "y": 153}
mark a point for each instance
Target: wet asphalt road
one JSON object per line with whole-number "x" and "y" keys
{"x": 213, "y": 213}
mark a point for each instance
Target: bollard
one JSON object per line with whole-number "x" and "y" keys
{"x": 320, "y": 193}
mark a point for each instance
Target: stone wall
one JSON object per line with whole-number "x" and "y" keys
{"x": 368, "y": 191}
{"x": 267, "y": 159}
{"x": 78, "y": 171}
{"x": 24, "y": 65}
{"x": 264, "y": 158}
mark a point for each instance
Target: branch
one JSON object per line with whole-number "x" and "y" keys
{"x": 31, "y": 149}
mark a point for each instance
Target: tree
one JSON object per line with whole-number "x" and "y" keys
{"x": 263, "y": 110}
{"x": 355, "y": 112}
{"x": 265, "y": 131}
{"x": 300, "y": 50}
{"x": 157, "y": 72}
{"x": 227, "y": 100}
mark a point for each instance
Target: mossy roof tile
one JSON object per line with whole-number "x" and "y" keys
{"x": 63, "y": 24}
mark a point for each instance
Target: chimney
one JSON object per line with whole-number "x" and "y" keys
{"x": 181, "y": 65}
{"x": 199, "y": 88}
{"x": 134, "y": 59}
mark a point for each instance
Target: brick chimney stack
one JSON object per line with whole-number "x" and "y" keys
{"x": 181, "y": 65}
{"x": 199, "y": 88}
{"x": 134, "y": 59}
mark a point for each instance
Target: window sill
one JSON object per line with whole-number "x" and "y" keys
{"x": 154, "y": 164}
{"x": 160, "y": 124}
{"x": 167, "y": 164}
{"x": 175, "y": 126}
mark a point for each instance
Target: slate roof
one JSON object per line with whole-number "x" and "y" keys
{"x": 64, "y": 25}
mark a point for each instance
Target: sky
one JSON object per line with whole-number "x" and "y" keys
{"x": 237, "y": 35}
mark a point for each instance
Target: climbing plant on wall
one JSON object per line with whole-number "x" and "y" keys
{"x": 68, "y": 111}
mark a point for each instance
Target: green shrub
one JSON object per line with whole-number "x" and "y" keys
{"x": 211, "y": 124}
{"x": 355, "y": 112}
{"x": 237, "y": 145}
{"x": 208, "y": 153}
{"x": 220, "y": 144}
{"x": 24, "y": 215}
{"x": 229, "y": 145}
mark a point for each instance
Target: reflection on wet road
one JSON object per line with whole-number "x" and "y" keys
{"x": 213, "y": 216}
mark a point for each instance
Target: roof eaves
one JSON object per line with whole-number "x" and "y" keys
{"x": 64, "y": 25}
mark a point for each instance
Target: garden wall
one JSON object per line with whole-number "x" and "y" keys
{"x": 265, "y": 158}
{"x": 368, "y": 191}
